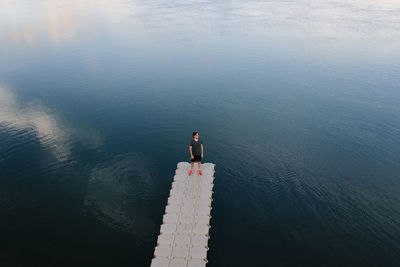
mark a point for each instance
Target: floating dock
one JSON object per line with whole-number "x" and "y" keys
{"x": 184, "y": 230}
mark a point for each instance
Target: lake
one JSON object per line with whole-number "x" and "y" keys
{"x": 297, "y": 104}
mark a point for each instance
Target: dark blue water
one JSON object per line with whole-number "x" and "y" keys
{"x": 297, "y": 103}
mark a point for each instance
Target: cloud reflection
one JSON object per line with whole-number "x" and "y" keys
{"x": 35, "y": 117}
{"x": 65, "y": 21}
{"x": 28, "y": 22}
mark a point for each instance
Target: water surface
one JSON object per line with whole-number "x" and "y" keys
{"x": 297, "y": 103}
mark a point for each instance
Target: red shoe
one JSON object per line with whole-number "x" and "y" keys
{"x": 199, "y": 172}
{"x": 191, "y": 171}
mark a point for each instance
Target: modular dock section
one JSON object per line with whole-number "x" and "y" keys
{"x": 184, "y": 230}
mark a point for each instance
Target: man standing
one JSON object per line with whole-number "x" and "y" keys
{"x": 196, "y": 151}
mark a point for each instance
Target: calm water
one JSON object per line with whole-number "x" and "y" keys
{"x": 298, "y": 104}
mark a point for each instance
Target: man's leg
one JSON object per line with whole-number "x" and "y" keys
{"x": 199, "y": 162}
{"x": 191, "y": 169}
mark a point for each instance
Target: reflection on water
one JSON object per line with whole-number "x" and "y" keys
{"x": 27, "y": 22}
{"x": 53, "y": 134}
{"x": 35, "y": 117}
{"x": 115, "y": 191}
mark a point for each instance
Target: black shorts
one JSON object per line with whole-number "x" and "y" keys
{"x": 196, "y": 158}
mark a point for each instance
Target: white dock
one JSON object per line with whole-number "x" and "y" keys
{"x": 184, "y": 231}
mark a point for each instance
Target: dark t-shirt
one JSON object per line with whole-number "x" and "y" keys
{"x": 196, "y": 147}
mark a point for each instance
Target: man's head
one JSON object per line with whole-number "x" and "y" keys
{"x": 195, "y": 134}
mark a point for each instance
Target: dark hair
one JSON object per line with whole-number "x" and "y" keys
{"x": 194, "y": 133}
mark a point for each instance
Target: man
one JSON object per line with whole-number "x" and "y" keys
{"x": 196, "y": 151}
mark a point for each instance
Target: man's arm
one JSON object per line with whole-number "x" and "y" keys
{"x": 190, "y": 150}
{"x": 201, "y": 150}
